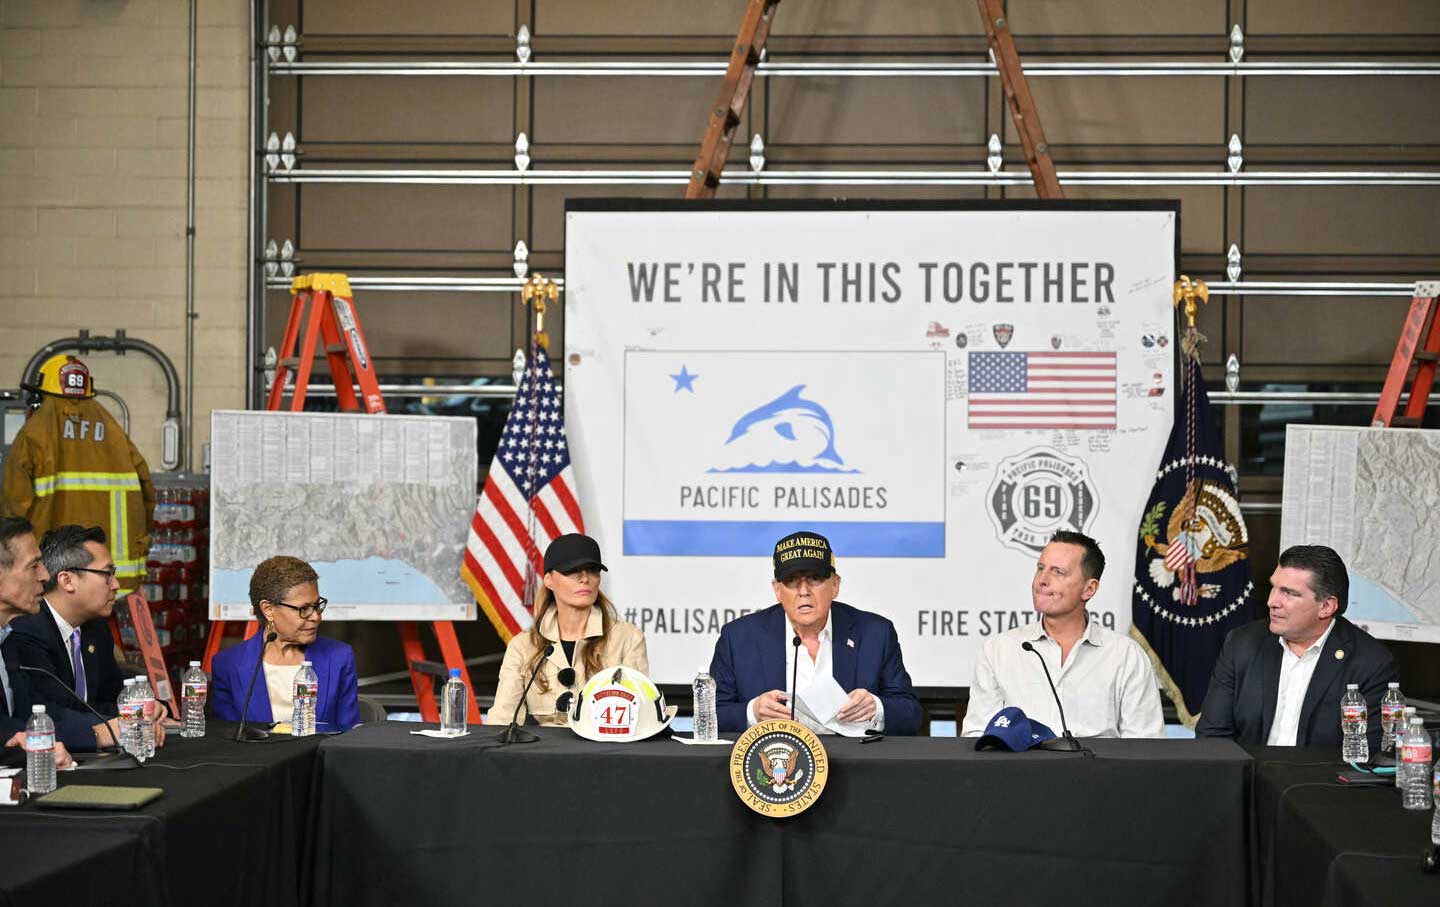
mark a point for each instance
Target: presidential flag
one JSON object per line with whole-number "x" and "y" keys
{"x": 1013, "y": 390}
{"x": 529, "y": 499}
{"x": 1192, "y": 567}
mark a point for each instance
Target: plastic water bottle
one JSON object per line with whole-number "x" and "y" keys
{"x": 1399, "y": 743}
{"x": 128, "y": 709}
{"x": 456, "y": 701}
{"x": 193, "y": 689}
{"x": 1416, "y": 755}
{"x": 307, "y": 692}
{"x": 149, "y": 714}
{"x": 39, "y": 752}
{"x": 1392, "y": 714}
{"x": 706, "y": 726}
{"x": 1354, "y": 722}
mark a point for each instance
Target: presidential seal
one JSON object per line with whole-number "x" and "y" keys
{"x": 779, "y": 768}
{"x": 1036, "y": 493}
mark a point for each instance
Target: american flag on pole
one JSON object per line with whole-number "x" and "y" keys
{"x": 1042, "y": 390}
{"x": 528, "y": 500}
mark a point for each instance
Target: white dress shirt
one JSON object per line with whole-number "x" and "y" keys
{"x": 805, "y": 674}
{"x": 65, "y": 632}
{"x": 1106, "y": 684}
{"x": 1295, "y": 674}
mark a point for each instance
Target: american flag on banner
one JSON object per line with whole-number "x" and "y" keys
{"x": 528, "y": 500}
{"x": 1042, "y": 390}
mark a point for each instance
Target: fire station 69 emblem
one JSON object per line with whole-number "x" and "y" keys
{"x": 779, "y": 768}
{"x": 1036, "y": 493}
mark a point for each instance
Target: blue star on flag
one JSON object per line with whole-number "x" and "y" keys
{"x": 684, "y": 381}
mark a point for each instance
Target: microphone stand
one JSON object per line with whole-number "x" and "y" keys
{"x": 513, "y": 732}
{"x": 1066, "y": 743}
{"x": 119, "y": 759}
{"x": 244, "y": 734}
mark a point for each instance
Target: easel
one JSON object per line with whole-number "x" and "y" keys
{"x": 1419, "y": 346}
{"x": 326, "y": 306}
{"x": 750, "y": 48}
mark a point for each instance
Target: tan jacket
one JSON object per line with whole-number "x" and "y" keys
{"x": 626, "y": 646}
{"x": 72, "y": 463}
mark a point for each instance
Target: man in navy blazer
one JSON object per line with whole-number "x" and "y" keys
{"x": 756, "y": 654}
{"x": 1279, "y": 681}
{"x": 22, "y": 582}
{"x": 69, "y": 637}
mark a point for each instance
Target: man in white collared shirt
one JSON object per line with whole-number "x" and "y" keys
{"x": 1103, "y": 679}
{"x": 1279, "y": 681}
{"x": 835, "y": 644}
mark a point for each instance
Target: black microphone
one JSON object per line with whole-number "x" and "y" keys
{"x": 118, "y": 759}
{"x": 245, "y": 734}
{"x": 513, "y": 732}
{"x": 794, "y": 673}
{"x": 1067, "y": 742}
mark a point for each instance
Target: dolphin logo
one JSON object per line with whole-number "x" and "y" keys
{"x": 788, "y": 434}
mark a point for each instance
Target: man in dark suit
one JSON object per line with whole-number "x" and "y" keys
{"x": 69, "y": 636}
{"x": 1279, "y": 681}
{"x": 756, "y": 655}
{"x": 22, "y": 581}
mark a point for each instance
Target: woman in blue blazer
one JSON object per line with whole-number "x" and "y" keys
{"x": 285, "y": 594}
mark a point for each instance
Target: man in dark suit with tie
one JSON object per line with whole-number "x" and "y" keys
{"x": 69, "y": 637}
{"x": 755, "y": 655}
{"x": 1279, "y": 681}
{"x": 22, "y": 581}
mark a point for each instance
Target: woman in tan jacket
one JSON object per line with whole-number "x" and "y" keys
{"x": 575, "y": 620}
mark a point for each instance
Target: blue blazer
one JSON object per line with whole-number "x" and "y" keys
{"x": 750, "y": 660}
{"x": 338, "y": 708}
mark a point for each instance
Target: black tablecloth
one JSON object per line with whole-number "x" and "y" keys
{"x": 905, "y": 820}
{"x": 228, "y": 830}
{"x": 1321, "y": 842}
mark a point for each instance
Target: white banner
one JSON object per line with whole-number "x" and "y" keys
{"x": 937, "y": 391}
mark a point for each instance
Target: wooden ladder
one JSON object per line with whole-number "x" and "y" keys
{"x": 750, "y": 47}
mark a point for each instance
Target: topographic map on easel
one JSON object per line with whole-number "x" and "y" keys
{"x": 1372, "y": 494}
{"x": 379, "y": 505}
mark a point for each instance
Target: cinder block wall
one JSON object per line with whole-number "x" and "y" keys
{"x": 92, "y": 193}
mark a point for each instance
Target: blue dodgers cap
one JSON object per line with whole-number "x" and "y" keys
{"x": 1011, "y": 730}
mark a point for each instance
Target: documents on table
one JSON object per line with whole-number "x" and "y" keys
{"x": 823, "y": 700}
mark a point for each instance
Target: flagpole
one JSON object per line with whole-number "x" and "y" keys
{"x": 537, "y": 292}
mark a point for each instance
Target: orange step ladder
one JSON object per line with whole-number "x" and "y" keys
{"x": 325, "y": 306}
{"x": 1418, "y": 347}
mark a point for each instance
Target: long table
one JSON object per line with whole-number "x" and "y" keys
{"x": 229, "y": 829}
{"x": 904, "y": 820}
{"x": 1321, "y": 842}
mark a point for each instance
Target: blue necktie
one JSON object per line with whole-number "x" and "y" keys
{"x": 79, "y": 664}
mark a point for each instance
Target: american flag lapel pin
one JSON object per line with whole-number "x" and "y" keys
{"x": 850, "y": 643}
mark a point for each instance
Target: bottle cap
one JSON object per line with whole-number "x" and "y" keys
{"x": 194, "y": 664}
{"x": 455, "y": 672}
{"x": 1352, "y": 686}
{"x": 1394, "y": 684}
{"x": 129, "y": 681}
{"x": 37, "y": 709}
{"x": 1416, "y": 719}
{"x": 306, "y": 664}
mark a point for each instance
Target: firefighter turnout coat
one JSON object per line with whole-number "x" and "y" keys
{"x": 72, "y": 463}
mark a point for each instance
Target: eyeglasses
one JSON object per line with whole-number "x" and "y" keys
{"x": 567, "y": 679}
{"x": 795, "y": 582}
{"x": 308, "y": 610}
{"x": 108, "y": 572}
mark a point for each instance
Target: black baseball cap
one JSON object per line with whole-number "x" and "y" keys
{"x": 572, "y": 550}
{"x": 804, "y": 552}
